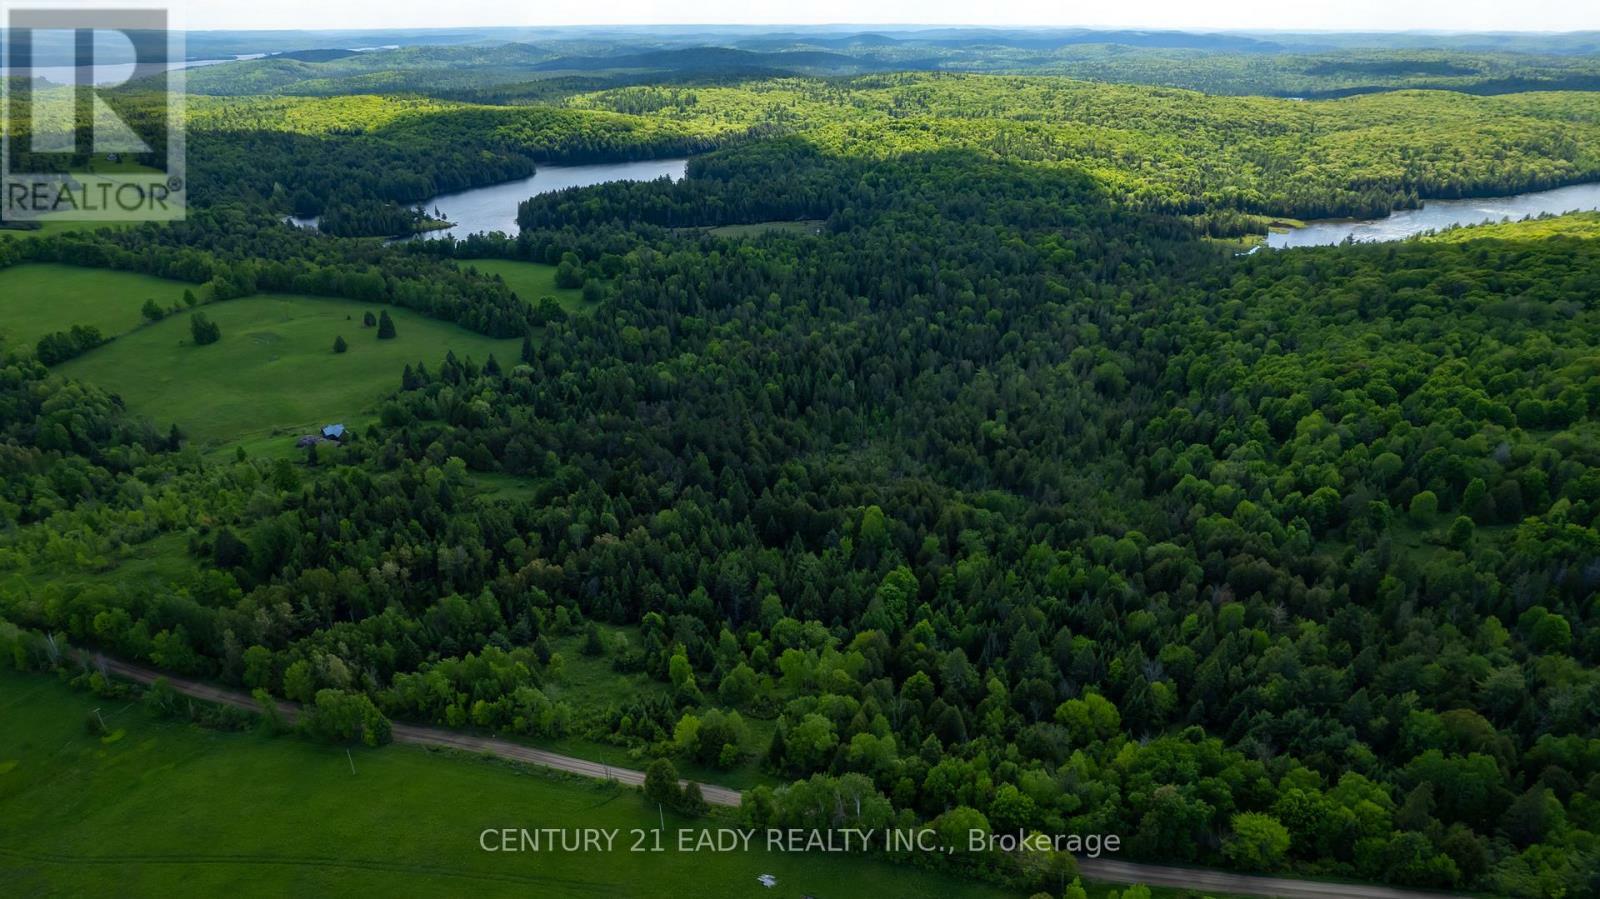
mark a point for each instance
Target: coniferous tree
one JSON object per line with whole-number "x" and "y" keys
{"x": 204, "y": 330}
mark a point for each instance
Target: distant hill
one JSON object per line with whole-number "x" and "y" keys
{"x": 1047, "y": 40}
{"x": 712, "y": 59}
{"x": 315, "y": 55}
{"x": 1272, "y": 64}
{"x": 221, "y": 44}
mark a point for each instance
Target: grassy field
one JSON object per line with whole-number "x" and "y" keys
{"x": 49, "y": 227}
{"x": 530, "y": 281}
{"x": 274, "y": 369}
{"x": 491, "y": 486}
{"x": 41, "y": 298}
{"x": 160, "y": 808}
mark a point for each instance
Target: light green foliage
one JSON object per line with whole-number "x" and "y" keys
{"x": 1424, "y": 506}
{"x": 1174, "y": 148}
{"x": 1258, "y": 842}
{"x": 1090, "y": 718}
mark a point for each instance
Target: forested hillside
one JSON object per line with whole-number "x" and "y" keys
{"x": 367, "y": 160}
{"x": 355, "y": 156}
{"x": 998, "y": 498}
{"x": 1177, "y": 150}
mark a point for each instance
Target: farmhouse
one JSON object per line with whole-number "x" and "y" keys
{"x": 330, "y": 434}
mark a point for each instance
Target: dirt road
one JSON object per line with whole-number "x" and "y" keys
{"x": 410, "y": 733}
{"x": 1101, "y": 869}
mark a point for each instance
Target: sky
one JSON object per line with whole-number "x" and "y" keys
{"x": 1284, "y": 15}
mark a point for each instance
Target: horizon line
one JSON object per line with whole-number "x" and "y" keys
{"x": 913, "y": 25}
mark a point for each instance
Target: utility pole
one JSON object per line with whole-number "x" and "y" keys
{"x": 351, "y": 759}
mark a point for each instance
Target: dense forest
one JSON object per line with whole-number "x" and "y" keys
{"x": 365, "y": 160}
{"x": 1175, "y": 150}
{"x": 359, "y": 156}
{"x": 1007, "y": 500}
{"x": 362, "y": 162}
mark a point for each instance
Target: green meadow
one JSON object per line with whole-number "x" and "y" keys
{"x": 162, "y": 808}
{"x": 41, "y": 298}
{"x": 529, "y": 281}
{"x": 274, "y": 370}
{"x": 48, "y": 227}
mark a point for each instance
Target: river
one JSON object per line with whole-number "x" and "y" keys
{"x": 1436, "y": 215}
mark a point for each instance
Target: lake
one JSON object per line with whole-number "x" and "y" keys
{"x": 1436, "y": 215}
{"x": 494, "y": 208}
{"x": 110, "y": 73}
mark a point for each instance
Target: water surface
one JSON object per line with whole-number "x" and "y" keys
{"x": 494, "y": 208}
{"x": 110, "y": 74}
{"x": 1436, "y": 215}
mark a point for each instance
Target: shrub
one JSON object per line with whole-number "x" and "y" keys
{"x": 203, "y": 329}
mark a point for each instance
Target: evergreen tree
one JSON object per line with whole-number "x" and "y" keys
{"x": 203, "y": 329}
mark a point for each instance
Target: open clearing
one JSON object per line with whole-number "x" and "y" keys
{"x": 41, "y": 298}
{"x": 530, "y": 281}
{"x": 48, "y": 227}
{"x": 274, "y": 368}
{"x": 171, "y": 809}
